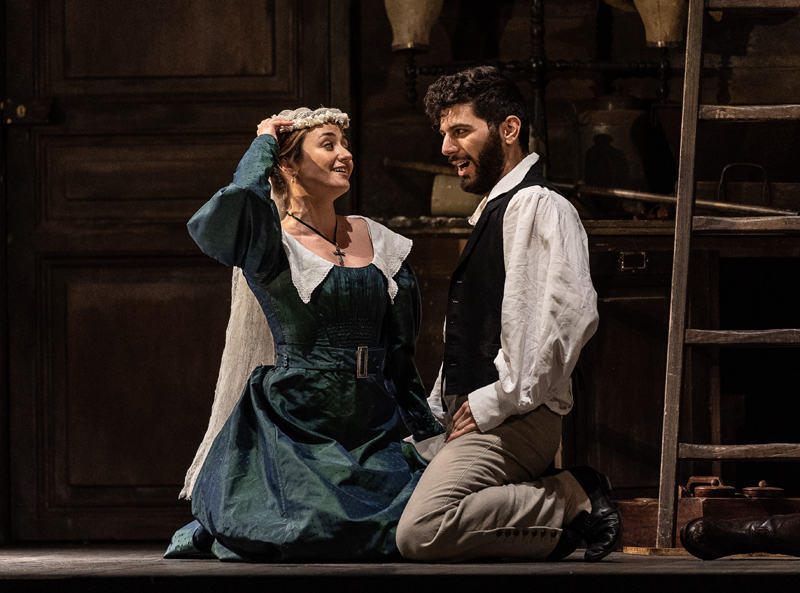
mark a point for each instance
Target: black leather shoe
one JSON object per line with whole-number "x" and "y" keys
{"x": 709, "y": 539}
{"x": 602, "y": 528}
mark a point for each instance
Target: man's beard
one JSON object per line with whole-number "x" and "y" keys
{"x": 488, "y": 166}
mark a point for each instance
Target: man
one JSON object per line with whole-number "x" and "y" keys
{"x": 521, "y": 306}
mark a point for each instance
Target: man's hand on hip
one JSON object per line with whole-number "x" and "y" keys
{"x": 463, "y": 422}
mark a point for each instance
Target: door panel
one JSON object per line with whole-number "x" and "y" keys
{"x": 151, "y": 46}
{"x": 116, "y": 320}
{"x": 181, "y": 38}
{"x": 122, "y": 328}
{"x": 131, "y": 180}
{"x": 127, "y": 379}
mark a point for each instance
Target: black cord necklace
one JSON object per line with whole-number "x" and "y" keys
{"x": 339, "y": 253}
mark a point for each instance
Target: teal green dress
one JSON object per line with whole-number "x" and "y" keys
{"x": 310, "y": 465}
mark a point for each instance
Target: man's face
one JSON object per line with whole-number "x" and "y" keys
{"x": 472, "y": 148}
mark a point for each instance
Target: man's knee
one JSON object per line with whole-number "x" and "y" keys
{"x": 408, "y": 538}
{"x": 416, "y": 539}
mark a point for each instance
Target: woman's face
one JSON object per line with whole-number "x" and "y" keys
{"x": 326, "y": 164}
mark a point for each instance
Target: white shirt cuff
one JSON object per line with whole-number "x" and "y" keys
{"x": 484, "y": 403}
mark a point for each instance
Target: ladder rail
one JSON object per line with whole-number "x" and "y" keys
{"x": 749, "y": 113}
{"x": 751, "y": 337}
{"x": 751, "y": 224}
{"x": 767, "y": 4}
{"x": 766, "y": 452}
{"x": 667, "y": 501}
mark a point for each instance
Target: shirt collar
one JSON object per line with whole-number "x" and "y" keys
{"x": 508, "y": 182}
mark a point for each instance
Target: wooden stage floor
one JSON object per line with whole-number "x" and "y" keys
{"x": 121, "y": 567}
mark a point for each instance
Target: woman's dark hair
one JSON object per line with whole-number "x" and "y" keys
{"x": 493, "y": 97}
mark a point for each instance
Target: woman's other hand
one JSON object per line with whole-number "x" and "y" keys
{"x": 272, "y": 125}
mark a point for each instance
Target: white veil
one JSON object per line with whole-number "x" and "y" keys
{"x": 248, "y": 344}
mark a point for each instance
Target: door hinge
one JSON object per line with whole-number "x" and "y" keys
{"x": 31, "y": 112}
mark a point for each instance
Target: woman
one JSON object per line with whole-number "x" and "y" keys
{"x": 310, "y": 463}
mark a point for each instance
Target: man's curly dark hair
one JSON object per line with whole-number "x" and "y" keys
{"x": 493, "y": 96}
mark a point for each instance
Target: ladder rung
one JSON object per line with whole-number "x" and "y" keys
{"x": 764, "y": 337}
{"x": 755, "y": 224}
{"x": 770, "y": 452}
{"x": 749, "y": 112}
{"x": 766, "y": 4}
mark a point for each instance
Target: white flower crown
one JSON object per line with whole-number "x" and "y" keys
{"x": 306, "y": 118}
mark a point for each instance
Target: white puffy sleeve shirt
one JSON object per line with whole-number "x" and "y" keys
{"x": 549, "y": 308}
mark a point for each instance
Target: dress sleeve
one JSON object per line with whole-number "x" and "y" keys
{"x": 402, "y": 377}
{"x": 549, "y": 307}
{"x": 240, "y": 224}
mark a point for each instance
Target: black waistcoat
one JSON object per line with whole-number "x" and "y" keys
{"x": 475, "y": 299}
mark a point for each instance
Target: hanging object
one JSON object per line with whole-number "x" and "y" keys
{"x": 624, "y": 5}
{"x": 664, "y": 21}
{"x": 411, "y": 22}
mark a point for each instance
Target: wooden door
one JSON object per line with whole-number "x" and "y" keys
{"x": 116, "y": 320}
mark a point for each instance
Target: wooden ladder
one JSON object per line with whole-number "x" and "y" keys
{"x": 680, "y": 337}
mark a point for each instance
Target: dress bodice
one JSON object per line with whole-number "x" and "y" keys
{"x": 345, "y": 311}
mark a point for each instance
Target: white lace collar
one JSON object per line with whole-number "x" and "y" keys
{"x": 309, "y": 270}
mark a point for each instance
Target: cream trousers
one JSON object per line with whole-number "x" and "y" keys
{"x": 481, "y": 496}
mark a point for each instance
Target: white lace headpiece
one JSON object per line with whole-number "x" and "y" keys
{"x": 306, "y": 118}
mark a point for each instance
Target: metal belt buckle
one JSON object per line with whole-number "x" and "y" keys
{"x": 362, "y": 362}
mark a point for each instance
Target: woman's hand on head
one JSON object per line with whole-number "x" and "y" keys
{"x": 271, "y": 125}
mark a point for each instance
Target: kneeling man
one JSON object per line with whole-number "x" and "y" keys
{"x": 521, "y": 305}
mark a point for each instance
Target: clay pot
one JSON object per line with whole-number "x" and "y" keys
{"x": 614, "y": 139}
{"x": 762, "y": 491}
{"x": 412, "y": 21}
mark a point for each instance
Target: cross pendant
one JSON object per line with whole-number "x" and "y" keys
{"x": 340, "y": 254}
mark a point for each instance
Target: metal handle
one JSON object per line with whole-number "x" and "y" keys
{"x": 632, "y": 260}
{"x": 766, "y": 192}
{"x": 26, "y": 111}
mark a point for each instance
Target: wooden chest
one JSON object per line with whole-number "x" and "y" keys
{"x": 639, "y": 516}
